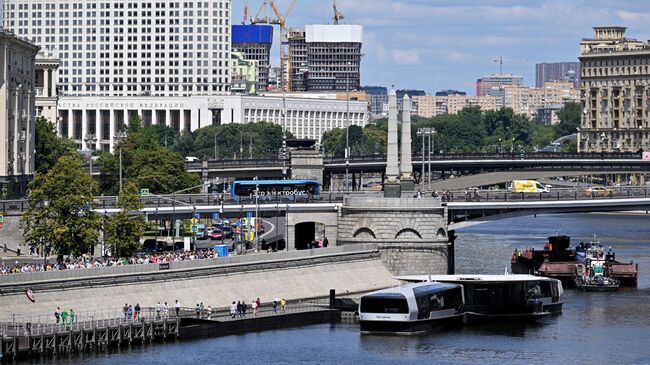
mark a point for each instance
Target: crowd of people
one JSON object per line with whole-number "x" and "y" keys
{"x": 238, "y": 309}
{"x": 88, "y": 262}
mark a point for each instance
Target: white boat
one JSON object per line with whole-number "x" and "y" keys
{"x": 513, "y": 297}
{"x": 412, "y": 308}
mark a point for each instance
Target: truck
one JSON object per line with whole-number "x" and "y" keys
{"x": 528, "y": 186}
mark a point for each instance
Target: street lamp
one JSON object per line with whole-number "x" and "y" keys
{"x": 429, "y": 132}
{"x": 241, "y": 144}
{"x": 90, "y": 140}
{"x": 257, "y": 214}
{"x": 347, "y": 124}
{"x": 120, "y": 137}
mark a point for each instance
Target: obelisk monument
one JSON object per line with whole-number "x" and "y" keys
{"x": 392, "y": 187}
{"x": 406, "y": 166}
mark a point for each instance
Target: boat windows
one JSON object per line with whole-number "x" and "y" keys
{"x": 431, "y": 299}
{"x": 388, "y": 303}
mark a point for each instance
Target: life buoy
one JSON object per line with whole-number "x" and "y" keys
{"x": 30, "y": 295}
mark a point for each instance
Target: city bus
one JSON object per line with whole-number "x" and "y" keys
{"x": 272, "y": 190}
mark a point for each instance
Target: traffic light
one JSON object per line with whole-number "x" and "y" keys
{"x": 521, "y": 154}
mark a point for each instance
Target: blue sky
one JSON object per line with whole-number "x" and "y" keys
{"x": 447, "y": 44}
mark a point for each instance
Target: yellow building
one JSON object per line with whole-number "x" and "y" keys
{"x": 244, "y": 74}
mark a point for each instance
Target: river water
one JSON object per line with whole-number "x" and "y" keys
{"x": 598, "y": 328}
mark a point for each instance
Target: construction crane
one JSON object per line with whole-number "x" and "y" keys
{"x": 281, "y": 20}
{"x": 337, "y": 14}
{"x": 245, "y": 12}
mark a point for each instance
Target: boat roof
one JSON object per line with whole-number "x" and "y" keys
{"x": 464, "y": 278}
{"x": 408, "y": 289}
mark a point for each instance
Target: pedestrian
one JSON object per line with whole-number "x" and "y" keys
{"x": 177, "y": 306}
{"x": 233, "y": 309}
{"x": 125, "y": 309}
{"x": 158, "y": 309}
{"x": 254, "y": 306}
{"x": 243, "y": 308}
{"x": 129, "y": 312}
{"x": 198, "y": 311}
{"x": 201, "y": 311}
{"x": 259, "y": 304}
{"x": 275, "y": 306}
{"x": 64, "y": 316}
{"x": 283, "y": 304}
{"x": 166, "y": 310}
{"x": 209, "y": 312}
{"x": 325, "y": 242}
{"x": 137, "y": 312}
{"x": 57, "y": 314}
{"x": 72, "y": 317}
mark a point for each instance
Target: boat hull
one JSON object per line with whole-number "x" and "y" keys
{"x": 478, "y": 318}
{"x": 409, "y": 327}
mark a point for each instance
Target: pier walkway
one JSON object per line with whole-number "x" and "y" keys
{"x": 34, "y": 335}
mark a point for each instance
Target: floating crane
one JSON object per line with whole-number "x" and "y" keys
{"x": 337, "y": 14}
{"x": 280, "y": 20}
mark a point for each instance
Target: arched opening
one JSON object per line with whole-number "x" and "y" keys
{"x": 310, "y": 235}
{"x": 441, "y": 233}
{"x": 364, "y": 233}
{"x": 408, "y": 233}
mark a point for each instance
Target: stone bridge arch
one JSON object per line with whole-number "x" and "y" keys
{"x": 301, "y": 225}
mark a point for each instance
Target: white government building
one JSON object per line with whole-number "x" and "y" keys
{"x": 167, "y": 61}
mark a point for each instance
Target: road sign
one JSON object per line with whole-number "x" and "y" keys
{"x": 2, "y": 218}
{"x": 195, "y": 228}
{"x": 215, "y": 216}
{"x": 197, "y": 215}
{"x": 194, "y": 220}
{"x": 144, "y": 192}
{"x": 249, "y": 214}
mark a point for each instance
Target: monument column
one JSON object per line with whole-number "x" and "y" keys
{"x": 392, "y": 185}
{"x": 406, "y": 180}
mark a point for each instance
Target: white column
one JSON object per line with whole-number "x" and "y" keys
{"x": 168, "y": 121}
{"x": 46, "y": 83}
{"x": 84, "y": 128}
{"x": 154, "y": 117}
{"x": 98, "y": 131}
{"x": 111, "y": 128}
{"x": 392, "y": 166}
{"x": 70, "y": 124}
{"x": 182, "y": 119}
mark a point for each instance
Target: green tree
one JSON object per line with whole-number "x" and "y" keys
{"x": 542, "y": 136}
{"x": 124, "y": 228}
{"x": 49, "y": 146}
{"x": 60, "y": 218}
{"x": 569, "y": 117}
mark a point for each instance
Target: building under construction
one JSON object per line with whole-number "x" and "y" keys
{"x": 254, "y": 42}
{"x": 325, "y": 57}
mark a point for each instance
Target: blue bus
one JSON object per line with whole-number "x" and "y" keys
{"x": 281, "y": 190}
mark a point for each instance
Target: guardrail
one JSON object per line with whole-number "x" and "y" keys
{"x": 553, "y": 195}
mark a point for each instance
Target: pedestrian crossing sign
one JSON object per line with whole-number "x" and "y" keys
{"x": 195, "y": 228}
{"x": 144, "y": 192}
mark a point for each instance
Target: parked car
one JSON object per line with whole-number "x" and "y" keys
{"x": 215, "y": 235}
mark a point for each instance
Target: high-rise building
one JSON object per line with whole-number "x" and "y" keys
{"x": 325, "y": 57}
{"x": 130, "y": 48}
{"x": 254, "y": 41}
{"x": 17, "y": 137}
{"x": 615, "y": 89}
{"x": 493, "y": 85}
{"x": 557, "y": 71}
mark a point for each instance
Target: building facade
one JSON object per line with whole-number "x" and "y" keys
{"x": 377, "y": 100}
{"x": 325, "y": 57}
{"x": 493, "y": 85}
{"x": 120, "y": 48}
{"x": 17, "y": 119}
{"x": 244, "y": 74}
{"x": 557, "y": 71}
{"x": 47, "y": 93}
{"x": 103, "y": 116}
{"x": 254, "y": 42}
{"x": 615, "y": 92}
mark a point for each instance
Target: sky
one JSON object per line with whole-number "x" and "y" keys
{"x": 436, "y": 45}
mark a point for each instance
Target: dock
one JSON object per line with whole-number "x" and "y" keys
{"x": 34, "y": 336}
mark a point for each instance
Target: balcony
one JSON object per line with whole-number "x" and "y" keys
{"x": 40, "y": 92}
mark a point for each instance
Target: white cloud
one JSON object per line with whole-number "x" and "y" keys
{"x": 406, "y": 56}
{"x": 458, "y": 57}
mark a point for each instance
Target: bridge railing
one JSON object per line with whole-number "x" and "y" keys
{"x": 553, "y": 195}
{"x": 496, "y": 156}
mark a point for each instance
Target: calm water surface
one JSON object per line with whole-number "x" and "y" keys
{"x": 601, "y": 328}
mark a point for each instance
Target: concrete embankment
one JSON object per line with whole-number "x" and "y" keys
{"x": 289, "y": 275}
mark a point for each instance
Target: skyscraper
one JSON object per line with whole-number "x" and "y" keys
{"x": 120, "y": 48}
{"x": 254, "y": 42}
{"x": 557, "y": 71}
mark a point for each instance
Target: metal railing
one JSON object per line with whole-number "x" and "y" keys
{"x": 553, "y": 195}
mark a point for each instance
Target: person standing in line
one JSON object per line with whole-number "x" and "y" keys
{"x": 57, "y": 314}
{"x": 209, "y": 312}
{"x": 64, "y": 316}
{"x": 72, "y": 317}
{"x": 137, "y": 312}
{"x": 129, "y": 313}
{"x": 243, "y": 308}
{"x": 233, "y": 309}
{"x": 283, "y": 304}
{"x": 254, "y": 306}
{"x": 125, "y": 309}
{"x": 158, "y": 309}
{"x": 177, "y": 307}
{"x": 166, "y": 310}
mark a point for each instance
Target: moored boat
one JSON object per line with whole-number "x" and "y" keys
{"x": 503, "y": 298}
{"x": 592, "y": 274}
{"x": 411, "y": 309}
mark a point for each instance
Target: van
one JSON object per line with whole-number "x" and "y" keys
{"x": 191, "y": 159}
{"x": 528, "y": 186}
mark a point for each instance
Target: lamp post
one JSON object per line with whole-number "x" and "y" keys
{"x": 120, "y": 136}
{"x": 90, "y": 140}
{"x": 347, "y": 125}
{"x": 257, "y": 214}
{"x": 241, "y": 144}
{"x": 429, "y": 132}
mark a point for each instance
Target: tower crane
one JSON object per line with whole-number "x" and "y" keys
{"x": 281, "y": 20}
{"x": 337, "y": 14}
{"x": 245, "y": 12}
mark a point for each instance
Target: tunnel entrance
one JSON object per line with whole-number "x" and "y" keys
{"x": 309, "y": 235}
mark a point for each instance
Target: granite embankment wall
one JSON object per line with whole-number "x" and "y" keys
{"x": 290, "y": 275}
